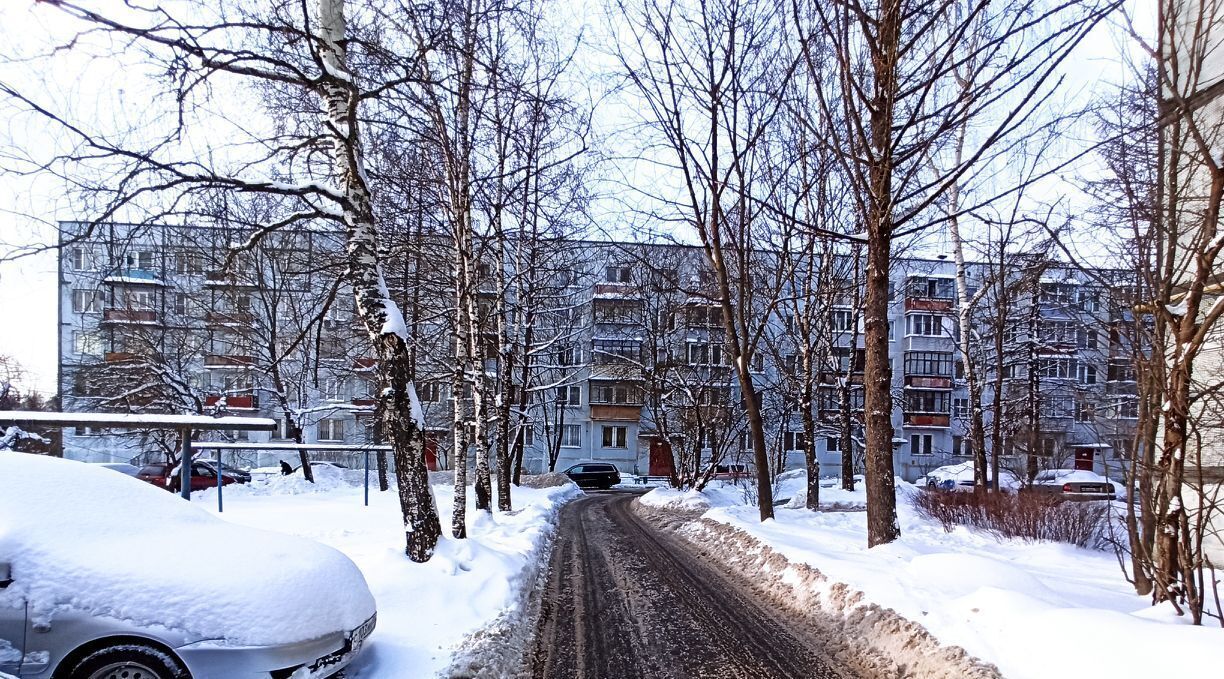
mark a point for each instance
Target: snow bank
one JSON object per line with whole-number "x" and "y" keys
{"x": 459, "y": 610}
{"x": 716, "y": 494}
{"x": 1037, "y": 611}
{"x": 149, "y": 557}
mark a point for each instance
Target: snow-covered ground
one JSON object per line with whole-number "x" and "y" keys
{"x": 424, "y": 610}
{"x": 1037, "y": 611}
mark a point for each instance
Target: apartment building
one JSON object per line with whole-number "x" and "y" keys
{"x": 627, "y": 353}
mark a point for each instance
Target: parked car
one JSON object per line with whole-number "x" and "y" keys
{"x": 734, "y": 471}
{"x": 121, "y": 467}
{"x": 102, "y": 577}
{"x": 959, "y": 477}
{"x": 203, "y": 475}
{"x": 594, "y": 475}
{"x": 240, "y": 475}
{"x": 1074, "y": 484}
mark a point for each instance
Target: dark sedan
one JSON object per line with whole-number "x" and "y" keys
{"x": 594, "y": 475}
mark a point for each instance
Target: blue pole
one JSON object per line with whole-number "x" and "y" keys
{"x": 219, "y": 483}
{"x": 367, "y": 478}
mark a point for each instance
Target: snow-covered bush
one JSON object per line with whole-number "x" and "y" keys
{"x": 1027, "y": 516}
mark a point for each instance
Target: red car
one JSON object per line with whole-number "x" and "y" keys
{"x": 164, "y": 475}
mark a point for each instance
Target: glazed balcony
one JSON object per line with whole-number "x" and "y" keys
{"x": 136, "y": 316}
{"x": 940, "y": 420}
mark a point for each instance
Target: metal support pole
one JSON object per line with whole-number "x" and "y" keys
{"x": 367, "y": 478}
{"x": 185, "y": 465}
{"x": 219, "y": 481}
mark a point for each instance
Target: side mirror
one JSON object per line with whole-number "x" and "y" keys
{"x": 6, "y": 574}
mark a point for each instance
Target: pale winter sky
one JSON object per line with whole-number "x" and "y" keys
{"x": 29, "y": 207}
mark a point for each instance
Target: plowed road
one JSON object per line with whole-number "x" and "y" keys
{"x": 626, "y": 600}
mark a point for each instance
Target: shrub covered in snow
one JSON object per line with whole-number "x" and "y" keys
{"x": 1028, "y": 516}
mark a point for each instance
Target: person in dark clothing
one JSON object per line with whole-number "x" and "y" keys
{"x": 285, "y": 468}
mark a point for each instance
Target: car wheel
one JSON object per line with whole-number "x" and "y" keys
{"x": 128, "y": 661}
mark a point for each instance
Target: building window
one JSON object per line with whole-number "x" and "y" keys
{"x": 1056, "y": 332}
{"x": 1086, "y": 338}
{"x": 334, "y": 389}
{"x": 1055, "y": 293}
{"x": 1047, "y": 447}
{"x": 961, "y": 447}
{"x": 187, "y": 263}
{"x": 142, "y": 260}
{"x": 919, "y": 401}
{"x": 841, "y": 320}
{"x": 568, "y": 356}
{"x": 527, "y": 431}
{"x": 1128, "y": 408}
{"x": 1086, "y": 374}
{"x": 1085, "y": 411}
{"x": 930, "y": 325}
{"x": 1089, "y": 299}
{"x": 331, "y": 429}
{"x": 758, "y": 363}
{"x": 704, "y": 353}
{"x": 85, "y": 342}
{"x": 922, "y": 444}
{"x": 570, "y": 395}
{"x": 80, "y": 259}
{"x": 139, "y": 300}
{"x": 617, "y": 274}
{"x": 794, "y": 440}
{"x": 623, "y": 394}
{"x": 833, "y": 444}
{"x": 960, "y": 407}
{"x": 180, "y": 304}
{"x": 1123, "y": 449}
{"x": 571, "y": 436}
{"x": 86, "y": 301}
{"x": 933, "y": 363}
{"x": 930, "y": 288}
{"x": 1121, "y": 371}
{"x": 429, "y": 392}
{"x": 612, "y": 351}
{"x": 892, "y": 331}
{"x": 615, "y": 436}
{"x": 83, "y": 386}
{"x": 703, "y": 317}
{"x": 1056, "y": 368}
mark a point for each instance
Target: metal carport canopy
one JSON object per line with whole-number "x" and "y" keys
{"x": 154, "y": 421}
{"x": 185, "y": 424}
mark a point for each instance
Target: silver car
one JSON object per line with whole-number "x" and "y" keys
{"x": 79, "y": 646}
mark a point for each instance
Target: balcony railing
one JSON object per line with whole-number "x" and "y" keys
{"x": 228, "y": 361}
{"x": 927, "y": 419}
{"x": 234, "y": 401}
{"x": 928, "y": 381}
{"x": 119, "y": 356}
{"x": 915, "y": 303}
{"x": 619, "y": 412}
{"x": 142, "y": 316}
{"x": 229, "y": 317}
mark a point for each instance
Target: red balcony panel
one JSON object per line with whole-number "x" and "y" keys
{"x": 927, "y": 420}
{"x": 119, "y": 356}
{"x": 216, "y": 360}
{"x": 365, "y": 402}
{"x": 364, "y": 363}
{"x": 630, "y": 413}
{"x": 927, "y": 304}
{"x": 237, "y": 402}
{"x": 928, "y": 382}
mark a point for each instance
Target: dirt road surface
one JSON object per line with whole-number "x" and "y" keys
{"x": 625, "y": 600}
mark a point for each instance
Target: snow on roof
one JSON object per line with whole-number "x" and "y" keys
{"x": 138, "y": 420}
{"x": 82, "y": 537}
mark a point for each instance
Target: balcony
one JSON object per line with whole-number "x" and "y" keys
{"x": 228, "y": 361}
{"x": 928, "y": 381}
{"x": 928, "y": 304}
{"x": 228, "y": 318}
{"x": 234, "y": 401}
{"x": 364, "y": 363}
{"x": 942, "y": 420}
{"x": 220, "y": 279}
{"x": 119, "y": 356}
{"x": 827, "y": 377}
{"x": 616, "y": 412}
{"x": 365, "y": 402}
{"x": 615, "y": 291}
{"x": 134, "y": 316}
{"x": 133, "y": 277}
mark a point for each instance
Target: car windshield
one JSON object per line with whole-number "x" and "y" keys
{"x": 153, "y": 469}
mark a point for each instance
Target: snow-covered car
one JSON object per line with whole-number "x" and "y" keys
{"x": 959, "y": 477}
{"x": 103, "y": 576}
{"x": 1074, "y": 484}
{"x": 121, "y": 467}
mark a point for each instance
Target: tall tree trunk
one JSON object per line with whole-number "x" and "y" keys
{"x": 382, "y": 318}
{"x": 882, "y": 525}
